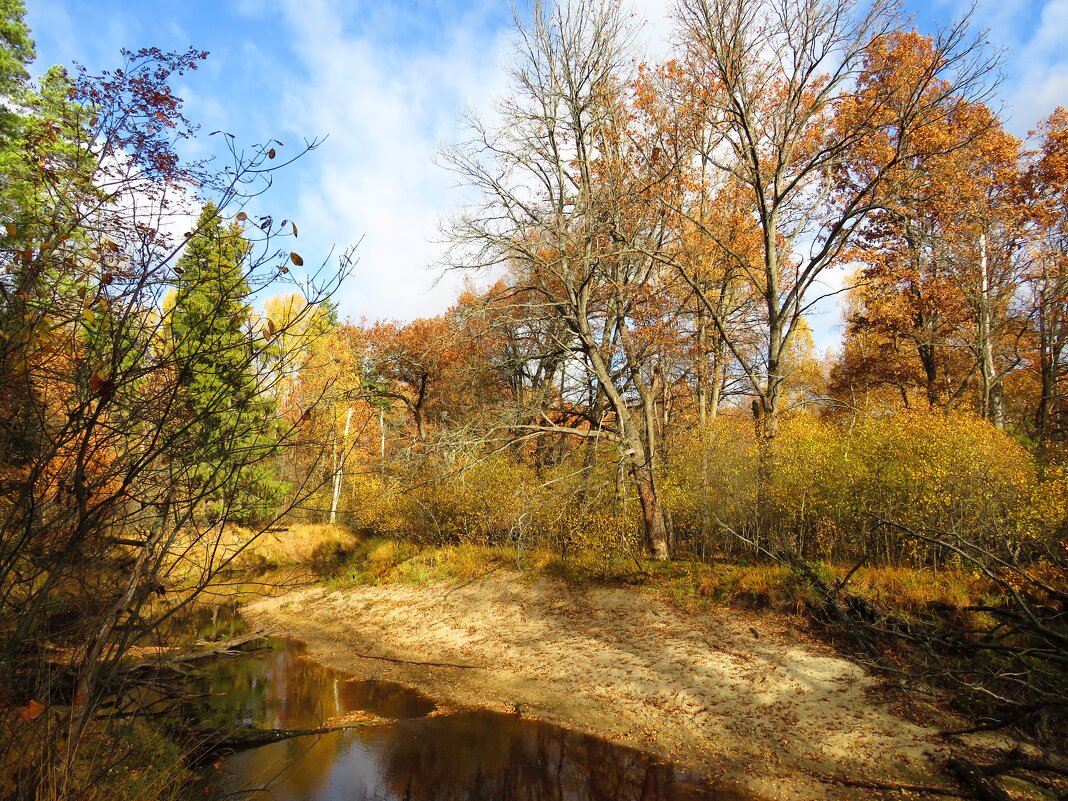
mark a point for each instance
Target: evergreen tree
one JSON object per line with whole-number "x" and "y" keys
{"x": 16, "y": 54}
{"x": 227, "y": 421}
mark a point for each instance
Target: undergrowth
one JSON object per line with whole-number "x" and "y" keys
{"x": 690, "y": 584}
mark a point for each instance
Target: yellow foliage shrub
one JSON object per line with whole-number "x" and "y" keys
{"x": 890, "y": 486}
{"x": 887, "y": 486}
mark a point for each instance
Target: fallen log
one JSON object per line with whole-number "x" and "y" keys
{"x": 972, "y": 776}
{"x": 165, "y": 659}
{"x": 210, "y": 741}
{"x": 209, "y": 648}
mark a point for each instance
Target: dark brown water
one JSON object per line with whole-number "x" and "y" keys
{"x": 468, "y": 756}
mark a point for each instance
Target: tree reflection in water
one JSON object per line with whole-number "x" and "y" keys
{"x": 468, "y": 756}
{"x": 485, "y": 756}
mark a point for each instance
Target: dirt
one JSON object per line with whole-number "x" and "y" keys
{"x": 744, "y": 697}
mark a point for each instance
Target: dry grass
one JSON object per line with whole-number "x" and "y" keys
{"x": 385, "y": 560}
{"x": 299, "y": 544}
{"x": 127, "y": 759}
{"x": 914, "y": 590}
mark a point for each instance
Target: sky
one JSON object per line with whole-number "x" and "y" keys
{"x": 387, "y": 82}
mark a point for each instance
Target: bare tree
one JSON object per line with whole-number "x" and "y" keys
{"x": 553, "y": 209}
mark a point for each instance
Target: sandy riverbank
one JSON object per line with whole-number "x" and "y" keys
{"x": 742, "y": 696}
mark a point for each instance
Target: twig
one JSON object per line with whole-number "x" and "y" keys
{"x": 894, "y": 786}
{"x": 415, "y": 662}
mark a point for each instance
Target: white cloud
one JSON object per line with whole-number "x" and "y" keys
{"x": 1037, "y": 67}
{"x": 385, "y": 108}
{"x": 387, "y": 97}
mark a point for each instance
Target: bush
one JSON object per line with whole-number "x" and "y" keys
{"x": 839, "y": 490}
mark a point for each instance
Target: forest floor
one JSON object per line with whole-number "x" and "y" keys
{"x": 746, "y": 697}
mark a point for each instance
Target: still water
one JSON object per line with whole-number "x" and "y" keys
{"x": 464, "y": 756}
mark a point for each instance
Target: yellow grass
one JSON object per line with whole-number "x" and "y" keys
{"x": 378, "y": 560}
{"x": 301, "y": 544}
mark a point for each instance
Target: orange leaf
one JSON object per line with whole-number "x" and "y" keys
{"x": 32, "y": 710}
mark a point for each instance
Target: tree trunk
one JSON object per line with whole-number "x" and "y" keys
{"x": 382, "y": 441}
{"x": 702, "y": 367}
{"x": 640, "y": 449}
{"x": 656, "y": 536}
{"x": 992, "y": 406}
{"x": 927, "y": 353}
{"x": 719, "y": 379}
{"x": 339, "y": 467}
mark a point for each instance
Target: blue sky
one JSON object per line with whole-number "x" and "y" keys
{"x": 387, "y": 81}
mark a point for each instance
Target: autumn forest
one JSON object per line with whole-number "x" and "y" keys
{"x": 627, "y": 390}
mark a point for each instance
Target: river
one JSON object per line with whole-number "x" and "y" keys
{"x": 419, "y": 754}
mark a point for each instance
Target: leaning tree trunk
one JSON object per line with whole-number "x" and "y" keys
{"x": 639, "y": 449}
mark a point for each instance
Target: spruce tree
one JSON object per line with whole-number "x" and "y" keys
{"x": 227, "y": 428}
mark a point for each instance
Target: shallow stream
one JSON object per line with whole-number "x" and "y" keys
{"x": 416, "y": 756}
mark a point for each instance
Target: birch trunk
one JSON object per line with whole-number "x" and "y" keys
{"x": 339, "y": 468}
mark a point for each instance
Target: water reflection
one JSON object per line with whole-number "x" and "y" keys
{"x": 469, "y": 756}
{"x": 279, "y": 688}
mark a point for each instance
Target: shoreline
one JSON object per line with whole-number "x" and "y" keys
{"x": 743, "y": 697}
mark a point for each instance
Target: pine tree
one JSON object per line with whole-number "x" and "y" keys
{"x": 16, "y": 54}
{"x": 227, "y": 422}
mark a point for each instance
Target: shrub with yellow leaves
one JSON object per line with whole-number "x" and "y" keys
{"x": 890, "y": 486}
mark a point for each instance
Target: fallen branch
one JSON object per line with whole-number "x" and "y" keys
{"x": 894, "y": 786}
{"x": 213, "y": 740}
{"x": 213, "y": 650}
{"x": 1032, "y": 765}
{"x": 972, "y": 776}
{"x": 415, "y": 662}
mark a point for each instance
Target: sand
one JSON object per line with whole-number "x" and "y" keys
{"x": 744, "y": 697}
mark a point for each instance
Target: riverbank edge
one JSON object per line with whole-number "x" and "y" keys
{"x": 337, "y": 622}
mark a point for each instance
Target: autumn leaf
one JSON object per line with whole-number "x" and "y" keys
{"x": 104, "y": 387}
{"x": 241, "y": 216}
{"x": 296, "y": 259}
{"x": 32, "y": 710}
{"x": 271, "y": 153}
